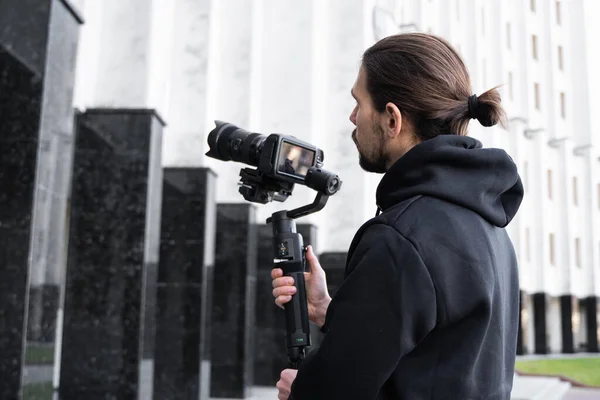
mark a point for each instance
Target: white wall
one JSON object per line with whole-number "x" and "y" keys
{"x": 287, "y": 67}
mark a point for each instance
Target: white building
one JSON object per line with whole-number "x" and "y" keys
{"x": 287, "y": 66}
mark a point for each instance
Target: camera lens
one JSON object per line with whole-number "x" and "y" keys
{"x": 228, "y": 142}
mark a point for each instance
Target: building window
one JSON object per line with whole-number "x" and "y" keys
{"x": 527, "y": 245}
{"x": 536, "y": 93}
{"x": 557, "y": 12}
{"x": 550, "y": 184}
{"x": 534, "y": 47}
{"x": 510, "y": 85}
{"x": 551, "y": 249}
{"x": 508, "y": 44}
{"x": 560, "y": 58}
{"x": 575, "y": 197}
{"x": 562, "y": 105}
{"x": 532, "y": 5}
{"x": 577, "y": 253}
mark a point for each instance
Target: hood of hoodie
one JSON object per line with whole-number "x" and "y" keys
{"x": 459, "y": 170}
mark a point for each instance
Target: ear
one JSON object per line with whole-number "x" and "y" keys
{"x": 392, "y": 120}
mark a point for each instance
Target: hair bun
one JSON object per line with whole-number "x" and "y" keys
{"x": 486, "y": 108}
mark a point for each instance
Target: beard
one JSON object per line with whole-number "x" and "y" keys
{"x": 378, "y": 163}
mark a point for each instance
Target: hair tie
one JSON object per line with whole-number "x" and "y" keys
{"x": 473, "y": 106}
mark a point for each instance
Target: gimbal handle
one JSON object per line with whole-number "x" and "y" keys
{"x": 289, "y": 255}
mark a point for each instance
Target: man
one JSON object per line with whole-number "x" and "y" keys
{"x": 430, "y": 301}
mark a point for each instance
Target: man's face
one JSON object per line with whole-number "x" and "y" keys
{"x": 368, "y": 135}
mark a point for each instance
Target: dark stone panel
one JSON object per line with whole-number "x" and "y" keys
{"x": 177, "y": 354}
{"x": 43, "y": 303}
{"x": 35, "y": 74}
{"x": 20, "y": 107}
{"x": 566, "y": 323}
{"x": 111, "y": 272}
{"x": 539, "y": 323}
{"x": 270, "y": 353}
{"x": 590, "y": 305}
{"x": 234, "y": 301}
{"x": 520, "y": 348}
{"x": 185, "y": 281}
{"x": 334, "y": 264}
{"x": 24, "y": 27}
{"x": 13, "y": 286}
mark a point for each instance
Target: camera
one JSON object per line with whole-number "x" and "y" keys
{"x": 281, "y": 161}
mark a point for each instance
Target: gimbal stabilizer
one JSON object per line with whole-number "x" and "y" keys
{"x": 289, "y": 255}
{"x": 281, "y": 161}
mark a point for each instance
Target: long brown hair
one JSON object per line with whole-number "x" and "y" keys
{"x": 428, "y": 81}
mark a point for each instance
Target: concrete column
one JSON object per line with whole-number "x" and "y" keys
{"x": 38, "y": 40}
{"x": 108, "y": 334}
{"x": 184, "y": 294}
{"x": 128, "y": 46}
{"x": 234, "y": 302}
{"x": 540, "y": 324}
{"x": 591, "y": 309}
{"x": 566, "y": 318}
{"x": 230, "y": 95}
{"x": 188, "y": 101}
{"x": 355, "y": 203}
{"x": 123, "y": 67}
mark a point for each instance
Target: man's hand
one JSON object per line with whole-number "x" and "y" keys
{"x": 317, "y": 296}
{"x": 285, "y": 383}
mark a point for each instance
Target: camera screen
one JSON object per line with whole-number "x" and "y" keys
{"x": 295, "y": 160}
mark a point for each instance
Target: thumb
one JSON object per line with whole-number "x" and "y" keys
{"x": 313, "y": 262}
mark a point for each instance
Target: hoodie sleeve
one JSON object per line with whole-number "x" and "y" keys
{"x": 383, "y": 309}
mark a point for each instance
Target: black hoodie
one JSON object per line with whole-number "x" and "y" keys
{"x": 429, "y": 305}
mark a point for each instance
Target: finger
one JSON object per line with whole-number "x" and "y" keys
{"x": 283, "y": 281}
{"x": 281, "y": 300}
{"x": 284, "y": 291}
{"x": 288, "y": 375}
{"x": 313, "y": 261}
{"x": 276, "y": 273}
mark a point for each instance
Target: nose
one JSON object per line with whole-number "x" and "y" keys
{"x": 353, "y": 116}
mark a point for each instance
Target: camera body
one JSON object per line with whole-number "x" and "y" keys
{"x": 281, "y": 161}
{"x": 288, "y": 159}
